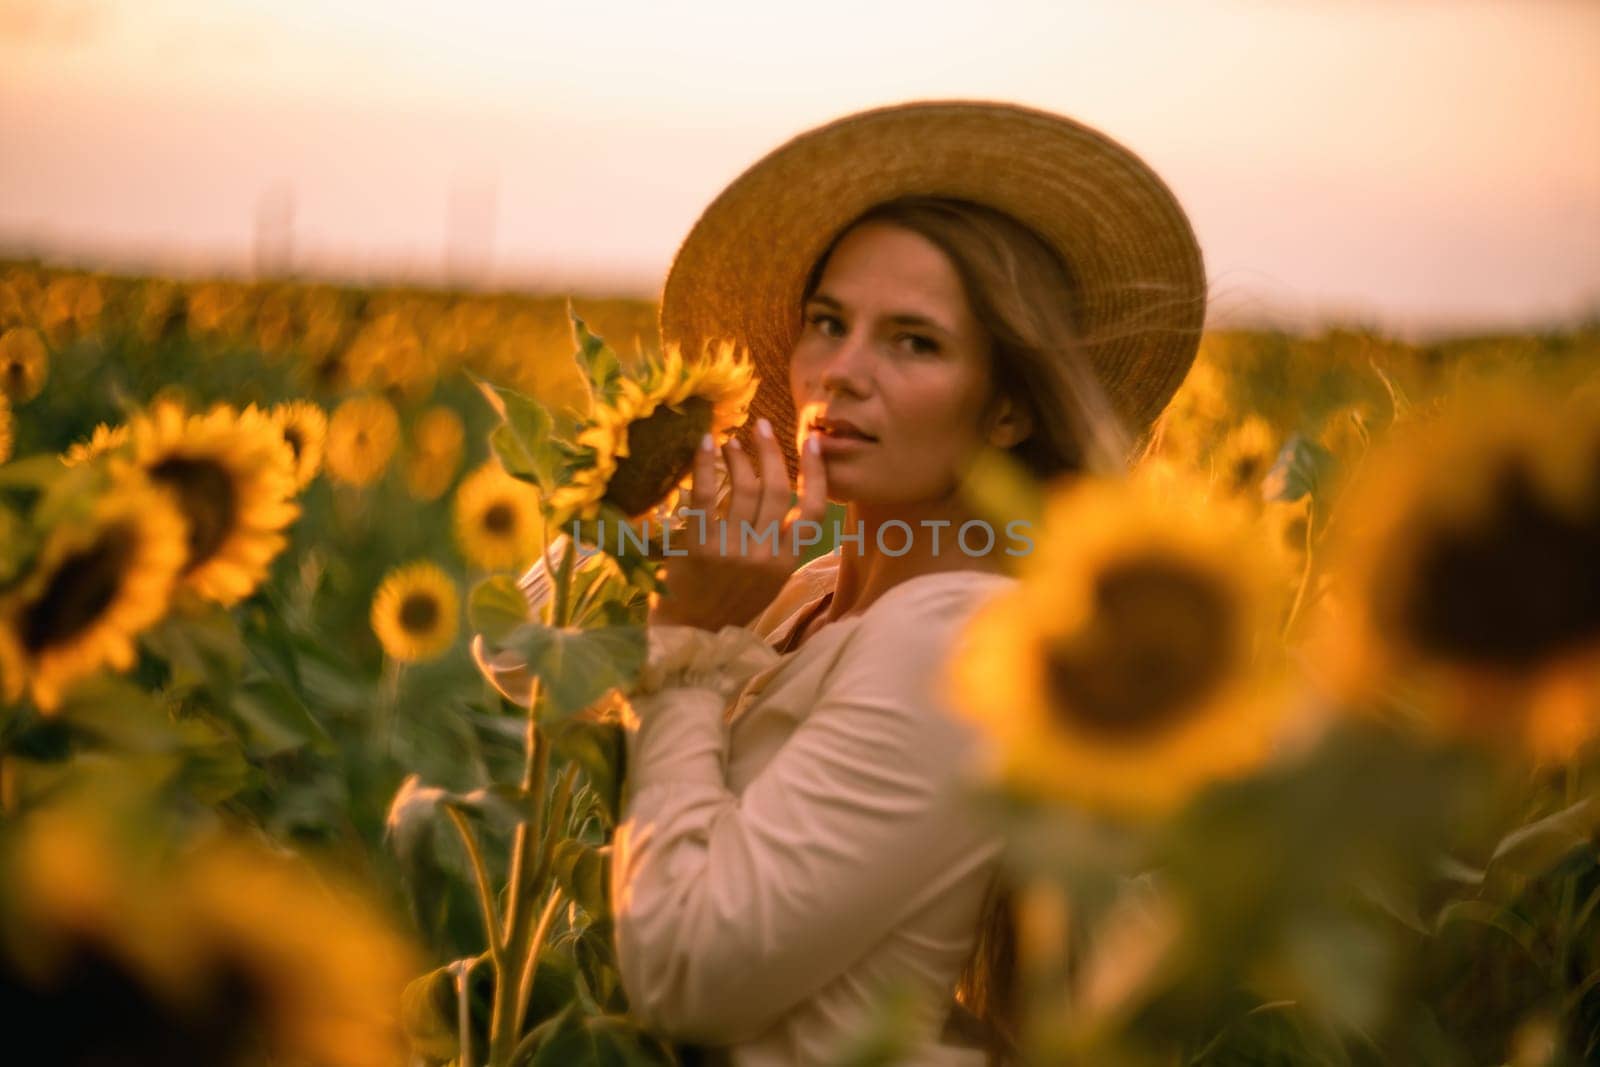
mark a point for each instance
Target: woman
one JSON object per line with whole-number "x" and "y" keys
{"x": 916, "y": 283}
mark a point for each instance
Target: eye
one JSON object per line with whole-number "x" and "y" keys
{"x": 820, "y": 318}
{"x": 924, "y": 346}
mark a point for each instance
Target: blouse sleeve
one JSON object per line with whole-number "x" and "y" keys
{"x": 730, "y": 910}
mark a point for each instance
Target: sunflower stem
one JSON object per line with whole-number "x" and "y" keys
{"x": 480, "y": 875}
{"x": 530, "y": 966}
{"x": 463, "y": 969}
{"x": 502, "y": 1030}
{"x": 564, "y": 584}
{"x": 388, "y": 700}
{"x": 1305, "y": 571}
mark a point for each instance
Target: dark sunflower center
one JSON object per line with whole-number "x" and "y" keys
{"x": 1245, "y": 470}
{"x": 296, "y": 439}
{"x": 1511, "y": 591}
{"x": 206, "y": 495}
{"x": 660, "y": 452}
{"x": 16, "y": 377}
{"x": 80, "y": 591}
{"x": 418, "y": 613}
{"x": 1159, "y": 642}
{"x": 500, "y": 519}
{"x": 136, "y": 1023}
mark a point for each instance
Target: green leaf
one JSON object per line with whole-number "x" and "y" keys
{"x": 35, "y": 472}
{"x": 599, "y": 749}
{"x": 599, "y": 364}
{"x": 120, "y": 715}
{"x": 1301, "y": 467}
{"x": 1530, "y": 850}
{"x": 577, "y": 667}
{"x": 275, "y": 720}
{"x": 204, "y": 650}
{"x": 427, "y": 1014}
{"x": 523, "y": 440}
{"x": 554, "y": 984}
{"x": 581, "y": 871}
{"x": 496, "y": 607}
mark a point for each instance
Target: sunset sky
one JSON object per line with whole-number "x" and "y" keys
{"x": 1413, "y": 164}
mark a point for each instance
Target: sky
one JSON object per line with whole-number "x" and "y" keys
{"x": 1419, "y": 165}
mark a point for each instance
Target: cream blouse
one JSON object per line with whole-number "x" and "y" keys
{"x": 795, "y": 838}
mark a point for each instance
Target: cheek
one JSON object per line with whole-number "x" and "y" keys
{"x": 802, "y": 375}
{"x": 938, "y": 414}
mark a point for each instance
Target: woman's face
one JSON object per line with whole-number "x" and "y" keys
{"x": 889, "y": 343}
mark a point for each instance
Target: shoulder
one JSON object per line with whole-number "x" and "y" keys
{"x": 931, "y": 597}
{"x": 905, "y": 638}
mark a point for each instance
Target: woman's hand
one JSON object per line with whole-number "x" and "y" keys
{"x": 735, "y": 563}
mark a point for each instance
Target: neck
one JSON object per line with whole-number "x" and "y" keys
{"x": 929, "y": 538}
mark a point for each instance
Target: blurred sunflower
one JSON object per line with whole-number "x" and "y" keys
{"x": 233, "y": 476}
{"x": 1468, "y": 574}
{"x": 362, "y": 437}
{"x": 104, "y": 439}
{"x": 225, "y": 954}
{"x": 24, "y": 364}
{"x": 93, "y": 587}
{"x": 437, "y": 438}
{"x": 497, "y": 519}
{"x": 1121, "y": 672}
{"x": 305, "y": 428}
{"x": 642, "y": 438}
{"x": 1244, "y": 456}
{"x": 6, "y": 433}
{"x": 415, "y": 612}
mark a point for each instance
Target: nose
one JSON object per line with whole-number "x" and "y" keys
{"x": 847, "y": 367}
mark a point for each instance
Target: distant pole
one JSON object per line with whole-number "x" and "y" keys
{"x": 469, "y": 241}
{"x": 274, "y": 250}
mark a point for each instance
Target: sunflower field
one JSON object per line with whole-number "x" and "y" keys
{"x": 311, "y": 716}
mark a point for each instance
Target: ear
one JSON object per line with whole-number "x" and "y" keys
{"x": 1011, "y": 424}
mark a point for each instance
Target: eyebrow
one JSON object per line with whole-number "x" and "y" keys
{"x": 902, "y": 318}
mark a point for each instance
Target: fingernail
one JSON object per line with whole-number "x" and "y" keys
{"x": 814, "y": 444}
{"x": 733, "y": 442}
{"x": 707, "y": 443}
{"x": 765, "y": 427}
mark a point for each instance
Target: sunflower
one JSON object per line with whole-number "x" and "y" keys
{"x": 1245, "y": 455}
{"x": 105, "y": 439}
{"x": 642, "y": 439}
{"x": 94, "y": 586}
{"x": 497, "y": 519}
{"x": 1119, "y": 673}
{"x": 1468, "y": 576}
{"x": 415, "y": 612}
{"x": 24, "y": 363}
{"x": 437, "y": 438}
{"x": 225, "y": 953}
{"x": 305, "y": 428}
{"x": 233, "y": 476}
{"x": 6, "y": 435}
{"x": 362, "y": 436}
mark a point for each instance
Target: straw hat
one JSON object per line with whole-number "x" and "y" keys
{"x": 740, "y": 273}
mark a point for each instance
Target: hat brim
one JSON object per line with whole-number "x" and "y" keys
{"x": 740, "y": 273}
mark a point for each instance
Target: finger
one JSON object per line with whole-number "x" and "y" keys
{"x": 813, "y": 500}
{"x": 813, "y": 480}
{"x": 746, "y": 486}
{"x": 775, "y": 490}
{"x": 703, "y": 487}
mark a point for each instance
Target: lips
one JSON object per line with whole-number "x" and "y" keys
{"x": 842, "y": 428}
